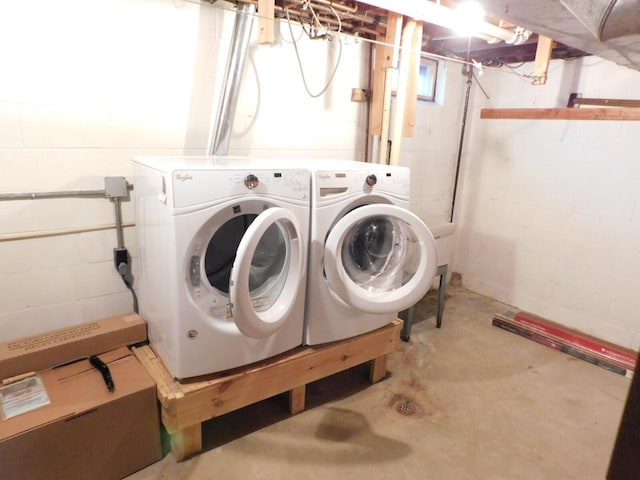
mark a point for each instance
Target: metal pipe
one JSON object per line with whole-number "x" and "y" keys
{"x": 469, "y": 73}
{"x": 12, "y": 237}
{"x": 118, "y": 212}
{"x": 233, "y": 75}
{"x": 60, "y": 194}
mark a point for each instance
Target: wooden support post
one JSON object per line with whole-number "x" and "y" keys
{"x": 543, "y": 56}
{"x": 297, "y": 399}
{"x": 378, "y": 369}
{"x": 266, "y": 21}
{"x": 382, "y": 61}
{"x": 401, "y": 91}
{"x": 186, "y": 441}
{"x": 412, "y": 83}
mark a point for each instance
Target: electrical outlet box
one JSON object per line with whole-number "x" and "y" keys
{"x": 116, "y": 187}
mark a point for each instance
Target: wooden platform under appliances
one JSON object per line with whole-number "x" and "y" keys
{"x": 185, "y": 405}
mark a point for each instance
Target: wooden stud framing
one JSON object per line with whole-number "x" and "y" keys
{"x": 543, "y": 56}
{"x": 384, "y": 53}
{"x": 398, "y": 117}
{"x": 561, "y": 113}
{"x": 266, "y": 21}
{"x": 412, "y": 83}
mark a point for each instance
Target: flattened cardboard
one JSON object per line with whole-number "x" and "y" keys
{"x": 86, "y": 432}
{"x": 40, "y": 352}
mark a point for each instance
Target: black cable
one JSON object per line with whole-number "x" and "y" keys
{"x": 467, "y": 70}
{"x": 133, "y": 293}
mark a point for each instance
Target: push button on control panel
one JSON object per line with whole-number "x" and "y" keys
{"x": 371, "y": 180}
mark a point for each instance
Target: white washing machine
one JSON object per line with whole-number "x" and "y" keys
{"x": 370, "y": 257}
{"x": 222, "y": 252}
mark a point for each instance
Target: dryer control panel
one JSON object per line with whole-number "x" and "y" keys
{"x": 368, "y": 179}
{"x": 193, "y": 187}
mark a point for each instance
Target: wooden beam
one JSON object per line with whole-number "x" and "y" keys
{"x": 574, "y": 101}
{"x": 412, "y": 84}
{"x": 266, "y": 21}
{"x": 398, "y": 118}
{"x": 561, "y": 113}
{"x": 384, "y": 53}
{"x": 541, "y": 64}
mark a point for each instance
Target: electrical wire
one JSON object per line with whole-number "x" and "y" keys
{"x": 133, "y": 292}
{"x": 304, "y": 80}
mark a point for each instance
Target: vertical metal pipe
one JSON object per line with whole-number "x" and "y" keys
{"x": 233, "y": 74}
{"x": 119, "y": 230}
{"x": 469, "y": 73}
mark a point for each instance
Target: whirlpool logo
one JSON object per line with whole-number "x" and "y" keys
{"x": 183, "y": 178}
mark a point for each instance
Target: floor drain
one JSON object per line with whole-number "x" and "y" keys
{"x": 407, "y": 408}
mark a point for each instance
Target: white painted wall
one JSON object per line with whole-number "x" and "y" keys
{"x": 86, "y": 85}
{"x": 551, "y": 209}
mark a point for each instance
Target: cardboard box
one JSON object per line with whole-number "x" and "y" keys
{"x": 86, "y": 432}
{"x": 53, "y": 348}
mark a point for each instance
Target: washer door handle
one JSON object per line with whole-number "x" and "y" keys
{"x": 260, "y": 324}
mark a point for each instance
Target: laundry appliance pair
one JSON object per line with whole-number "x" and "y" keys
{"x": 243, "y": 260}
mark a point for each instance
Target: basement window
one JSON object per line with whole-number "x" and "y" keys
{"x": 427, "y": 79}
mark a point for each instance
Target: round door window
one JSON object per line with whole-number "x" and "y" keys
{"x": 268, "y": 265}
{"x": 380, "y": 254}
{"x": 221, "y": 251}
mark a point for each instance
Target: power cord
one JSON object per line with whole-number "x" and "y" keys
{"x": 295, "y": 47}
{"x": 122, "y": 261}
{"x": 117, "y": 189}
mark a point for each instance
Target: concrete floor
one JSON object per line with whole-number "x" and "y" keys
{"x": 467, "y": 401}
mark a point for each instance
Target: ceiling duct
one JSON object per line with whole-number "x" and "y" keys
{"x": 607, "y": 19}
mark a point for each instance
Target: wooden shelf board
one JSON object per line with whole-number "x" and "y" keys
{"x": 628, "y": 113}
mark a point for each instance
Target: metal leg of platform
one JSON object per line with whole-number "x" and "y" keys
{"x": 408, "y": 315}
{"x": 442, "y": 271}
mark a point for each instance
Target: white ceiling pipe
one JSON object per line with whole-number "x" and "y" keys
{"x": 445, "y": 17}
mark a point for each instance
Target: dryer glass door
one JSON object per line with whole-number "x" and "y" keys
{"x": 267, "y": 273}
{"x": 380, "y": 258}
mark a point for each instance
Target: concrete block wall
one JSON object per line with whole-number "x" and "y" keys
{"x": 87, "y": 85}
{"x": 431, "y": 153}
{"x": 550, "y": 211}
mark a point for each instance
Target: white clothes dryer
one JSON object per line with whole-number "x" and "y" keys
{"x": 370, "y": 257}
{"x": 222, "y": 252}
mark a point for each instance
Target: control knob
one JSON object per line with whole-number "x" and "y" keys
{"x": 251, "y": 181}
{"x": 371, "y": 180}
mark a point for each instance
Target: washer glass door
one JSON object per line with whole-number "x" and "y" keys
{"x": 267, "y": 273}
{"x": 380, "y": 258}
